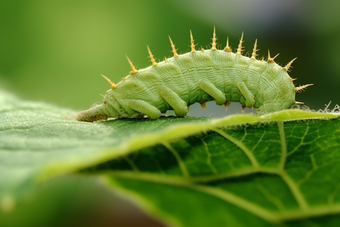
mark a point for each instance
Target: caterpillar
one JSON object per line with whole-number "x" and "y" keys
{"x": 198, "y": 76}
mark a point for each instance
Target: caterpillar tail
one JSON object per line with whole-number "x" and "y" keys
{"x": 95, "y": 113}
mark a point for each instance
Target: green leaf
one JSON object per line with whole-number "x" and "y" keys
{"x": 38, "y": 141}
{"x": 241, "y": 176}
{"x": 240, "y": 170}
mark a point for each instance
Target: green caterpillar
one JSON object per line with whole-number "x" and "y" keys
{"x": 198, "y": 76}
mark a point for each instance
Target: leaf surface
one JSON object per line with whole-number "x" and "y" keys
{"x": 239, "y": 170}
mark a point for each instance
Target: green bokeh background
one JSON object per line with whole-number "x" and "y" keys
{"x": 55, "y": 51}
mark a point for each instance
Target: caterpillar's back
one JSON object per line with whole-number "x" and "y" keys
{"x": 198, "y": 76}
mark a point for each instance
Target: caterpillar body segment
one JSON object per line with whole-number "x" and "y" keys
{"x": 198, "y": 76}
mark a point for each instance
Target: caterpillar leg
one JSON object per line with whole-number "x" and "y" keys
{"x": 180, "y": 107}
{"x": 145, "y": 108}
{"x": 250, "y": 101}
{"x": 213, "y": 91}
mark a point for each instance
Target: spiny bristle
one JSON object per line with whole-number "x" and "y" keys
{"x": 134, "y": 70}
{"x": 153, "y": 62}
{"x": 302, "y": 87}
{"x": 203, "y": 105}
{"x": 165, "y": 59}
{"x": 213, "y": 44}
{"x": 113, "y": 85}
{"x": 174, "y": 51}
{"x": 270, "y": 59}
{"x": 226, "y": 106}
{"x": 253, "y": 55}
{"x": 123, "y": 78}
{"x": 239, "y": 49}
{"x": 287, "y": 67}
{"x": 202, "y": 49}
{"x": 292, "y": 79}
{"x": 192, "y": 43}
{"x": 296, "y": 102}
{"x": 227, "y": 48}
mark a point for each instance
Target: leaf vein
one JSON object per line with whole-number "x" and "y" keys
{"x": 241, "y": 146}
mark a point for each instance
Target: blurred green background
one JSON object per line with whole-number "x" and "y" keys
{"x": 55, "y": 51}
